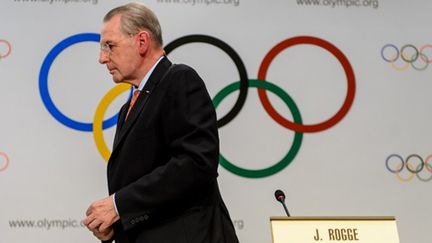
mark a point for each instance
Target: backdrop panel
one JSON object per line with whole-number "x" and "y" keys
{"x": 333, "y": 97}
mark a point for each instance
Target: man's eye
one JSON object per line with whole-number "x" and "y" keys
{"x": 108, "y": 46}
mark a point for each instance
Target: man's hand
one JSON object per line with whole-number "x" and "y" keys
{"x": 100, "y": 216}
{"x": 106, "y": 235}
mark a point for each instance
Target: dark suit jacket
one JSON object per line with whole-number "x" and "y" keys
{"x": 163, "y": 166}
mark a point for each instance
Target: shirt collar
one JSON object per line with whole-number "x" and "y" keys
{"x": 147, "y": 76}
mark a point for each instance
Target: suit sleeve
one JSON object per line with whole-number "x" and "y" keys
{"x": 189, "y": 128}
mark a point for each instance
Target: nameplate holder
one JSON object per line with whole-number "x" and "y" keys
{"x": 334, "y": 229}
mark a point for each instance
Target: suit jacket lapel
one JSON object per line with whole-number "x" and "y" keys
{"x": 155, "y": 77}
{"x": 120, "y": 121}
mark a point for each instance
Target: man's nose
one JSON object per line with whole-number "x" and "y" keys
{"x": 103, "y": 57}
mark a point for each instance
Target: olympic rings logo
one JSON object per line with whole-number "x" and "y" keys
{"x": 4, "y": 161}
{"x": 8, "y": 48}
{"x": 409, "y": 55}
{"x": 414, "y": 164}
{"x": 244, "y": 83}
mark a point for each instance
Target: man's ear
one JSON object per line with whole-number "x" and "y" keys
{"x": 144, "y": 41}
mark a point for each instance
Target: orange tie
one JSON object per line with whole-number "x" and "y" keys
{"x": 133, "y": 100}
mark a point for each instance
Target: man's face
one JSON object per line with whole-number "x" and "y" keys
{"x": 118, "y": 52}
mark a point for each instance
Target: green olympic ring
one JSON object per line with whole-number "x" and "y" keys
{"x": 289, "y": 157}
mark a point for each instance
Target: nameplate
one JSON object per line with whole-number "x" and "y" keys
{"x": 334, "y": 229}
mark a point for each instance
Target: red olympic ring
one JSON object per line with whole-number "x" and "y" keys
{"x": 422, "y": 51}
{"x": 348, "y": 72}
{"x": 6, "y": 164}
{"x": 9, "y": 47}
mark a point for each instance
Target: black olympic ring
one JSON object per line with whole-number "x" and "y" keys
{"x": 413, "y": 57}
{"x": 244, "y": 79}
{"x": 419, "y": 168}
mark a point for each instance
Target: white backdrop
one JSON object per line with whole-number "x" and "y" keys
{"x": 51, "y": 171}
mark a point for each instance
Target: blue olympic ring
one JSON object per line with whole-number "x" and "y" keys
{"x": 43, "y": 84}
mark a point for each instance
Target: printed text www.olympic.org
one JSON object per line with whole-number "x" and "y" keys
{"x": 340, "y": 3}
{"x": 234, "y": 3}
{"x": 58, "y": 1}
{"x": 63, "y": 224}
{"x": 46, "y": 223}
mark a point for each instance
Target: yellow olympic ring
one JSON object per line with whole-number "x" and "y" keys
{"x": 400, "y": 68}
{"x": 409, "y": 178}
{"x": 99, "y": 115}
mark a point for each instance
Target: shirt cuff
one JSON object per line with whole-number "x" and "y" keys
{"x": 115, "y": 205}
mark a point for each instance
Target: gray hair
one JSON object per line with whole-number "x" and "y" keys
{"x": 136, "y": 17}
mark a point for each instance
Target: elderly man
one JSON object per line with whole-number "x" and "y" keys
{"x": 163, "y": 167}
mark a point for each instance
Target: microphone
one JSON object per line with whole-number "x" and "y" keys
{"x": 280, "y": 196}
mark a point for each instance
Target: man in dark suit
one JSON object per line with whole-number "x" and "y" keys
{"x": 163, "y": 168}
